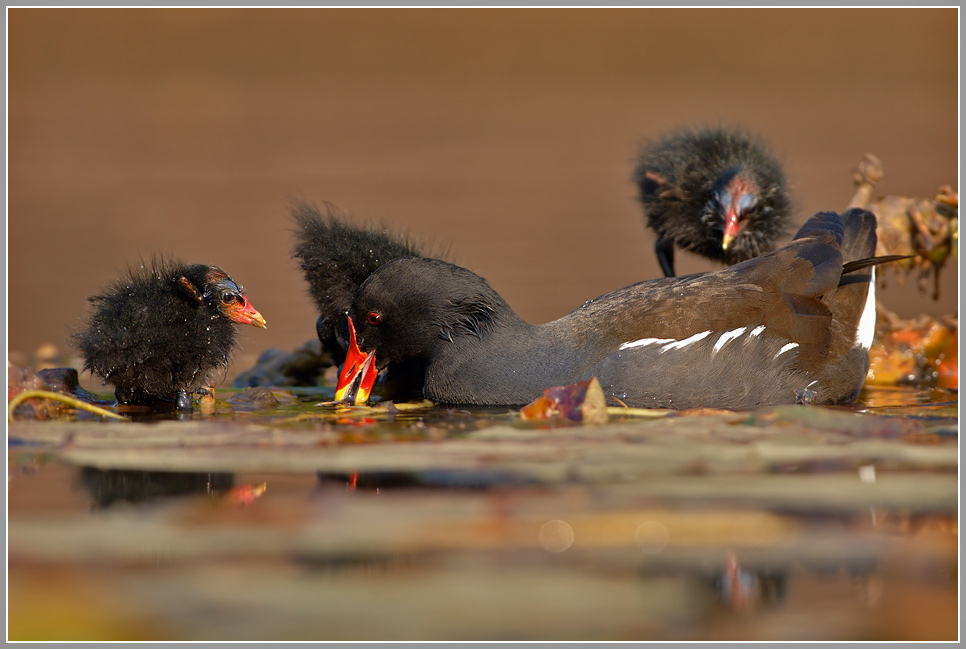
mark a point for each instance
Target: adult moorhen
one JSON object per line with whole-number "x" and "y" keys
{"x": 716, "y": 192}
{"x": 161, "y": 333}
{"x": 791, "y": 326}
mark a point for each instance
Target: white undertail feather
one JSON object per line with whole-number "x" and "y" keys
{"x": 866, "y": 329}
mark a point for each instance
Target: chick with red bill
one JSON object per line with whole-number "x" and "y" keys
{"x": 162, "y": 333}
{"x": 719, "y": 193}
{"x": 358, "y": 373}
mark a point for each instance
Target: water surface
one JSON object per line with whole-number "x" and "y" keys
{"x": 303, "y": 523}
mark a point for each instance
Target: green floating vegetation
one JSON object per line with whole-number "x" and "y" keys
{"x": 337, "y": 410}
{"x": 63, "y": 398}
{"x": 620, "y": 411}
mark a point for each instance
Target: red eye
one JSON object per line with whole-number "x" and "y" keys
{"x": 374, "y": 318}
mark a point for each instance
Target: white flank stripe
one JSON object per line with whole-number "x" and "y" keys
{"x": 866, "y": 330}
{"x": 647, "y": 341}
{"x": 786, "y": 348}
{"x": 757, "y": 330}
{"x": 726, "y": 336}
{"x": 687, "y": 341}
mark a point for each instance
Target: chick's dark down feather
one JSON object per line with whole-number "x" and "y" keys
{"x": 336, "y": 257}
{"x": 164, "y": 330}
{"x": 692, "y": 182}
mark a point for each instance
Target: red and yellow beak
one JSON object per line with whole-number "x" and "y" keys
{"x": 358, "y": 373}
{"x": 243, "y": 312}
{"x": 732, "y": 227}
{"x": 740, "y": 195}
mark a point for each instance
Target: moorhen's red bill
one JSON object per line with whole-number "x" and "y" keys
{"x": 718, "y": 193}
{"x": 336, "y": 257}
{"x": 792, "y": 326}
{"x": 358, "y": 373}
{"x": 162, "y": 333}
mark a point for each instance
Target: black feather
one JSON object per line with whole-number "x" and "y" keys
{"x": 683, "y": 179}
{"x": 159, "y": 333}
{"x": 336, "y": 257}
{"x": 859, "y": 264}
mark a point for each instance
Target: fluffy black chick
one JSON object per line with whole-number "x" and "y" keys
{"x": 719, "y": 193}
{"x": 336, "y": 257}
{"x": 161, "y": 333}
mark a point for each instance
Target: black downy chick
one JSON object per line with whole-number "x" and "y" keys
{"x": 336, "y": 257}
{"x": 162, "y": 333}
{"x": 719, "y": 193}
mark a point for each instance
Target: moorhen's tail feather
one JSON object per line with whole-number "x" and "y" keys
{"x": 859, "y": 264}
{"x": 821, "y": 224}
{"x": 852, "y": 305}
{"x": 859, "y": 237}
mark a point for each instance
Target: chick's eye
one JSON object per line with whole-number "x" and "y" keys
{"x": 228, "y": 297}
{"x": 374, "y": 318}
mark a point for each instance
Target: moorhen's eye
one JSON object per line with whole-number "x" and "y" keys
{"x": 228, "y": 297}
{"x": 374, "y": 318}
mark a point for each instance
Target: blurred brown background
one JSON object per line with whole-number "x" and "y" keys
{"x": 506, "y": 135}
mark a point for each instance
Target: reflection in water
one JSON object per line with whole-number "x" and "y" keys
{"x": 107, "y": 487}
{"x": 510, "y": 548}
{"x": 877, "y": 396}
{"x": 878, "y": 563}
{"x": 457, "y": 479}
{"x": 741, "y": 589}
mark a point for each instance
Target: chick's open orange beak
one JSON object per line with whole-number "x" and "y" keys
{"x": 358, "y": 373}
{"x": 243, "y": 312}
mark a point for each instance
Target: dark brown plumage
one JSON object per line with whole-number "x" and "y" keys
{"x": 718, "y": 193}
{"x": 791, "y": 326}
{"x": 161, "y": 333}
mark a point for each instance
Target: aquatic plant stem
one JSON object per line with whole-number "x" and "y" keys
{"x": 55, "y": 396}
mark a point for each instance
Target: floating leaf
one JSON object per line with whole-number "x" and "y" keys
{"x": 583, "y": 401}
